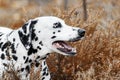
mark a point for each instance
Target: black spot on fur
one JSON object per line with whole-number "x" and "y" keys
{"x": 43, "y": 78}
{"x": 74, "y": 29}
{"x": 24, "y": 57}
{"x": 33, "y": 23}
{"x": 57, "y": 25}
{"x": 10, "y": 33}
{"x": 59, "y": 31}
{"x": 14, "y": 57}
{"x": 17, "y": 45}
{"x": 45, "y": 69}
{"x": 38, "y": 57}
{"x": 32, "y": 50}
{"x": 2, "y": 56}
{"x": 28, "y": 68}
{"x": 38, "y": 31}
{"x": 13, "y": 48}
{"x": 24, "y": 38}
{"x": 1, "y": 44}
{"x": 26, "y": 60}
{"x": 36, "y": 38}
{"x": 13, "y": 39}
{"x": 53, "y": 37}
{"x": 7, "y": 53}
{"x": 33, "y": 34}
{"x": 44, "y": 62}
{"x": 43, "y": 58}
{"x": 53, "y": 32}
{"x": 1, "y": 34}
{"x": 7, "y": 44}
{"x": 22, "y": 69}
{"x": 37, "y": 64}
{"x": 39, "y": 47}
{"x": 24, "y": 27}
{"x": 41, "y": 43}
{"x": 44, "y": 73}
{"x": 5, "y": 64}
{"x": 30, "y": 61}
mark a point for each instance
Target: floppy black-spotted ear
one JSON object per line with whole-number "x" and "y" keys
{"x": 25, "y": 33}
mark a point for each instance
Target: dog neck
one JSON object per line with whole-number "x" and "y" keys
{"x": 37, "y": 50}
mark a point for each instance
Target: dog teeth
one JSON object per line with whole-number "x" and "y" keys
{"x": 58, "y": 45}
{"x": 64, "y": 47}
{"x": 73, "y": 49}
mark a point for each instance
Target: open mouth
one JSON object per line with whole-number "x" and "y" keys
{"x": 64, "y": 47}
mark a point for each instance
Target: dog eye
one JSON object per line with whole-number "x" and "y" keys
{"x": 57, "y": 25}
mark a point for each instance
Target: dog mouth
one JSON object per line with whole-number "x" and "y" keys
{"x": 64, "y": 47}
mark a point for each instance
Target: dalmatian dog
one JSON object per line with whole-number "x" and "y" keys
{"x": 33, "y": 42}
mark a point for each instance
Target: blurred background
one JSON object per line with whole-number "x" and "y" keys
{"x": 98, "y": 55}
{"x": 17, "y": 10}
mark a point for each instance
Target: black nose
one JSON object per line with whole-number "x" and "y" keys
{"x": 81, "y": 33}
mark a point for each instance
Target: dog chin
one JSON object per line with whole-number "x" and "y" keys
{"x": 72, "y": 53}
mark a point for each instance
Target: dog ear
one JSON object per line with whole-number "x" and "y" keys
{"x": 26, "y": 33}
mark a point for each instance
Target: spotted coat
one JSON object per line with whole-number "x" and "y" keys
{"x": 32, "y": 43}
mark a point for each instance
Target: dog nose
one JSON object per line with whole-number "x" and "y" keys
{"x": 81, "y": 33}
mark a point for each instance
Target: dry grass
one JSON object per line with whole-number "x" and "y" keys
{"x": 98, "y": 55}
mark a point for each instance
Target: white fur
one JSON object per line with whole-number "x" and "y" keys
{"x": 44, "y": 31}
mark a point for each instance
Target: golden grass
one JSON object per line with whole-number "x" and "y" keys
{"x": 98, "y": 56}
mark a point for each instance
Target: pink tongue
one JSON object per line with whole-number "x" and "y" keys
{"x": 66, "y": 46}
{"x": 63, "y": 45}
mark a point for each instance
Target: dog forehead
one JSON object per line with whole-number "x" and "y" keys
{"x": 49, "y": 20}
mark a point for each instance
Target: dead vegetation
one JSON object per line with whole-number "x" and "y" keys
{"x": 98, "y": 54}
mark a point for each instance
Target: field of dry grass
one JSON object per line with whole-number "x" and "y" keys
{"x": 98, "y": 54}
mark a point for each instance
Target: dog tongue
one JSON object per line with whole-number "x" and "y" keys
{"x": 62, "y": 46}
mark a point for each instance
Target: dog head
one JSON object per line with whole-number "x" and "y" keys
{"x": 53, "y": 33}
